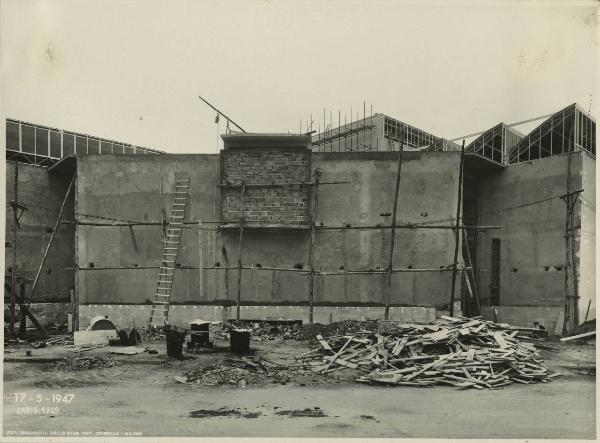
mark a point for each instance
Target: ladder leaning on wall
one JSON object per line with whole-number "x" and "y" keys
{"x": 159, "y": 314}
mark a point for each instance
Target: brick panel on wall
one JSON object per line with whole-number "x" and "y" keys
{"x": 262, "y": 170}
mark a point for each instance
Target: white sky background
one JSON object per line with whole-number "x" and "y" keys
{"x": 132, "y": 70}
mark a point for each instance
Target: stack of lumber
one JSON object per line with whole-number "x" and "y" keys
{"x": 456, "y": 351}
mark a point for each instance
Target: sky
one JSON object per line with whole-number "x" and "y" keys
{"x": 132, "y": 70}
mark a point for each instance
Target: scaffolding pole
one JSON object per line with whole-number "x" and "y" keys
{"x": 312, "y": 245}
{"x": 457, "y": 229}
{"x": 240, "y": 243}
{"x": 56, "y": 225}
{"x": 13, "y": 289}
{"x": 388, "y": 287}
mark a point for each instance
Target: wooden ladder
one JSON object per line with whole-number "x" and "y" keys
{"x": 164, "y": 285}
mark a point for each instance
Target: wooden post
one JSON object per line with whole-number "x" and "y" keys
{"x": 74, "y": 307}
{"x": 470, "y": 264}
{"x": 240, "y": 242}
{"x": 56, "y": 225}
{"x": 200, "y": 261}
{"x": 388, "y": 291}
{"x": 457, "y": 230}
{"x": 23, "y": 323}
{"x": 311, "y": 251}
{"x": 13, "y": 288}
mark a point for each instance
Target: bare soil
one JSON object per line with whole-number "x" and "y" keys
{"x": 140, "y": 396}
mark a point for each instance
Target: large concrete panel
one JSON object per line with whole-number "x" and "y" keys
{"x": 587, "y": 256}
{"x": 128, "y": 188}
{"x": 43, "y": 195}
{"x": 525, "y": 200}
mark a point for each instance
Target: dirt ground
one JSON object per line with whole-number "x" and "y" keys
{"x": 140, "y": 397}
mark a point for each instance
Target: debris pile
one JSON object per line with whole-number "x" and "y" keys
{"x": 291, "y": 330}
{"x": 269, "y": 330}
{"x": 457, "y": 351}
{"x": 82, "y": 363}
{"x": 247, "y": 371}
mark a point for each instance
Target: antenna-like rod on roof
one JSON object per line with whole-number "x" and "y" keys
{"x": 228, "y": 118}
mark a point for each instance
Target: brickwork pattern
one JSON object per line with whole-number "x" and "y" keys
{"x": 268, "y": 205}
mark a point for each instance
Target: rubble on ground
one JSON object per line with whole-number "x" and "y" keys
{"x": 461, "y": 352}
{"x": 82, "y": 363}
{"x": 248, "y": 371}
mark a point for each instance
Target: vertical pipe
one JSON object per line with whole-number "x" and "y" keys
{"x": 239, "y": 279}
{"x": 351, "y": 126}
{"x": 457, "y": 229}
{"x": 339, "y": 129}
{"x": 345, "y": 138}
{"x": 331, "y": 130}
{"x": 393, "y": 237}
{"x": 371, "y": 130}
{"x": 13, "y": 288}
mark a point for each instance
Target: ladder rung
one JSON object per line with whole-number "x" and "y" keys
{"x": 161, "y": 302}
{"x": 177, "y": 216}
{"x": 177, "y": 224}
{"x": 178, "y": 210}
{"x": 172, "y": 255}
{"x": 169, "y": 241}
{"x": 179, "y": 204}
{"x": 159, "y": 295}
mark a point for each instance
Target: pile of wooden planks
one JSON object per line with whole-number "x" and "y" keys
{"x": 456, "y": 351}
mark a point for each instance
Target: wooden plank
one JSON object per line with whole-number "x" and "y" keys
{"x": 498, "y": 336}
{"x": 338, "y": 354}
{"x": 324, "y": 343}
{"x": 576, "y": 337}
{"x": 398, "y": 348}
{"x": 340, "y": 361}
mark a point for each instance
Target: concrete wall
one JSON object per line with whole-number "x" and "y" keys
{"x": 587, "y": 252}
{"x": 547, "y": 316}
{"x": 370, "y": 193}
{"x": 180, "y": 315}
{"x": 43, "y": 194}
{"x": 525, "y": 200}
{"x": 128, "y": 188}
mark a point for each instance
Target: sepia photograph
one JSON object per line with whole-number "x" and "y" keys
{"x": 299, "y": 219}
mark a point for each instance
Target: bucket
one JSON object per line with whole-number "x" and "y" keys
{"x": 175, "y": 339}
{"x": 239, "y": 340}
